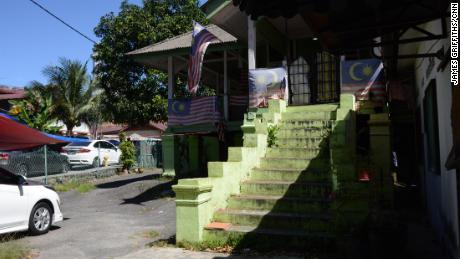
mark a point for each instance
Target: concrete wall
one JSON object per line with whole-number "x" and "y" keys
{"x": 440, "y": 190}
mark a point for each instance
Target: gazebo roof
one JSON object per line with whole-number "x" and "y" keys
{"x": 178, "y": 47}
{"x": 184, "y": 42}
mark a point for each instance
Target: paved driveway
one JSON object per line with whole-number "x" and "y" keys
{"x": 113, "y": 220}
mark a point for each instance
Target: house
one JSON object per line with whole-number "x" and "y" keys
{"x": 153, "y": 130}
{"x": 339, "y": 150}
{"x": 9, "y": 93}
{"x": 191, "y": 140}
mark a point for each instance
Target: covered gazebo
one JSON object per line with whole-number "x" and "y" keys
{"x": 199, "y": 127}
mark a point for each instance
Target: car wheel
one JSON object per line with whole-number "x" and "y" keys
{"x": 23, "y": 170}
{"x": 96, "y": 162}
{"x": 65, "y": 168}
{"x": 40, "y": 219}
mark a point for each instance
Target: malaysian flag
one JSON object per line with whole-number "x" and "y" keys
{"x": 239, "y": 92}
{"x": 194, "y": 111}
{"x": 364, "y": 79}
{"x": 201, "y": 38}
{"x": 267, "y": 83}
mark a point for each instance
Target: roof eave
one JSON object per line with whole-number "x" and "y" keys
{"x": 183, "y": 51}
{"x": 212, "y": 7}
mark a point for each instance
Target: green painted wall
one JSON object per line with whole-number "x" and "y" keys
{"x": 211, "y": 147}
{"x": 169, "y": 150}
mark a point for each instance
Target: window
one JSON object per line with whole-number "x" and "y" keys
{"x": 79, "y": 144}
{"x": 7, "y": 178}
{"x": 106, "y": 145}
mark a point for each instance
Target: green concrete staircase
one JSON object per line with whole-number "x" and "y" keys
{"x": 286, "y": 201}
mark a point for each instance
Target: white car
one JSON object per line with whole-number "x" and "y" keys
{"x": 91, "y": 153}
{"x": 27, "y": 205}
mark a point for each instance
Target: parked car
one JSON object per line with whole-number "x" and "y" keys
{"x": 27, "y": 205}
{"x": 91, "y": 153}
{"x": 114, "y": 142}
{"x": 31, "y": 162}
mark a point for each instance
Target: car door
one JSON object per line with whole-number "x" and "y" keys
{"x": 101, "y": 151}
{"x": 13, "y": 202}
{"x": 111, "y": 152}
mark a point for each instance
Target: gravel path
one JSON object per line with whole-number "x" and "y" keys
{"x": 119, "y": 217}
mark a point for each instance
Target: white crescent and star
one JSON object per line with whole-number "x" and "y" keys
{"x": 275, "y": 77}
{"x": 351, "y": 71}
{"x": 175, "y": 109}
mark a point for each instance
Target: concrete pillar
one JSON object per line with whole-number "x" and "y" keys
{"x": 225, "y": 87}
{"x": 251, "y": 43}
{"x": 169, "y": 155}
{"x": 192, "y": 209}
{"x": 380, "y": 154}
{"x": 170, "y": 77}
{"x": 194, "y": 155}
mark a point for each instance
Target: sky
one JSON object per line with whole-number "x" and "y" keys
{"x": 31, "y": 39}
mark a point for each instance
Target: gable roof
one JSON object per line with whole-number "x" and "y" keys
{"x": 184, "y": 41}
{"x": 10, "y": 93}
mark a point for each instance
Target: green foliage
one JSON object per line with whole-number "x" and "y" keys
{"x": 128, "y": 154}
{"x": 272, "y": 130}
{"x": 122, "y": 136}
{"x": 36, "y": 110}
{"x": 136, "y": 94}
{"x": 72, "y": 185}
{"x": 74, "y": 93}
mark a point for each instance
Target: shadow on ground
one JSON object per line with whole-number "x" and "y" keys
{"x": 116, "y": 184}
{"x": 159, "y": 191}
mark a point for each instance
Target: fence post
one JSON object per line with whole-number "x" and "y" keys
{"x": 46, "y": 164}
{"x": 98, "y": 155}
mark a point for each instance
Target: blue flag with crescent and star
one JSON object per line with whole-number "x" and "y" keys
{"x": 364, "y": 78}
{"x": 267, "y": 83}
{"x": 193, "y": 111}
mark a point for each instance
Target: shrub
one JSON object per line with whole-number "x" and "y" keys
{"x": 128, "y": 154}
{"x": 272, "y": 130}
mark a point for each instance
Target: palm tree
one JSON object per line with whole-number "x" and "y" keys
{"x": 74, "y": 92}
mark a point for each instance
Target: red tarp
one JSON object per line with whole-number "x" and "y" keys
{"x": 14, "y": 135}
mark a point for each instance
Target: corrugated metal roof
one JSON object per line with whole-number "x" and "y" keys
{"x": 12, "y": 96}
{"x": 184, "y": 41}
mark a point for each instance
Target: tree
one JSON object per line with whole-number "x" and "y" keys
{"x": 136, "y": 94}
{"x": 36, "y": 109}
{"x": 74, "y": 93}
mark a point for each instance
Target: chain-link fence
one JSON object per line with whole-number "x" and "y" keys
{"x": 148, "y": 153}
{"x": 32, "y": 162}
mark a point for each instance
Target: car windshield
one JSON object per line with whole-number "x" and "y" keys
{"x": 79, "y": 144}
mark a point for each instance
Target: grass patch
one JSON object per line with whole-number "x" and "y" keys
{"x": 11, "y": 249}
{"x": 151, "y": 234}
{"x": 169, "y": 242}
{"x": 79, "y": 187}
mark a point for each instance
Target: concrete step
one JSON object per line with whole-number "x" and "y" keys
{"x": 294, "y": 163}
{"x": 298, "y": 142}
{"x": 267, "y": 239}
{"x": 302, "y": 153}
{"x": 309, "y": 115}
{"x": 278, "y": 203}
{"x": 315, "y": 175}
{"x": 287, "y": 188}
{"x": 305, "y": 124}
{"x": 302, "y": 132}
{"x": 313, "y": 108}
{"x": 316, "y": 222}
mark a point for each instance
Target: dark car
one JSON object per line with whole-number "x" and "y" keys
{"x": 31, "y": 163}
